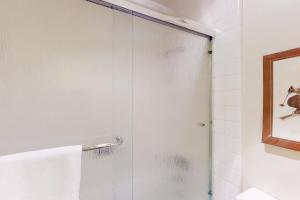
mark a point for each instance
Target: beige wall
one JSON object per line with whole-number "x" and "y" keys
{"x": 268, "y": 26}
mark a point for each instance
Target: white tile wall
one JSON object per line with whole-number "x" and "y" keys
{"x": 227, "y": 102}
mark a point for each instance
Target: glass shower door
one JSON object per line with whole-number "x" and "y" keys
{"x": 66, "y": 79}
{"x": 171, "y": 115}
{"x": 90, "y": 73}
{"x": 108, "y": 174}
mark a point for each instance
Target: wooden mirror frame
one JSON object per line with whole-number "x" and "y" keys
{"x": 267, "y": 136}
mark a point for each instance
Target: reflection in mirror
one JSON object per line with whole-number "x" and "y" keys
{"x": 286, "y": 98}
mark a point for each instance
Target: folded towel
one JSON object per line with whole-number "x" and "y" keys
{"x": 51, "y": 174}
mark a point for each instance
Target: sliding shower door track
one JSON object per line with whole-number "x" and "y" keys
{"x": 150, "y": 18}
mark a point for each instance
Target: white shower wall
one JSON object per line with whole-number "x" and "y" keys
{"x": 227, "y": 101}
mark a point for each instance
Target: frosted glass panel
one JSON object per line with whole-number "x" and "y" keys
{"x": 171, "y": 100}
{"x": 122, "y": 105}
{"x": 56, "y": 73}
{"x": 109, "y": 175}
{"x": 65, "y": 79}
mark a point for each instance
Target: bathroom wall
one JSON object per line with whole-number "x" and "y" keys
{"x": 268, "y": 27}
{"x": 227, "y": 102}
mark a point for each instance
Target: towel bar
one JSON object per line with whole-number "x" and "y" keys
{"x": 118, "y": 142}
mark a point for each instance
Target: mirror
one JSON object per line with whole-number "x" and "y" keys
{"x": 281, "y": 114}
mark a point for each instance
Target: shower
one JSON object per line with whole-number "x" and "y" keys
{"x": 99, "y": 73}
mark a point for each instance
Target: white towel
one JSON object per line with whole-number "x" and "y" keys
{"x": 50, "y": 174}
